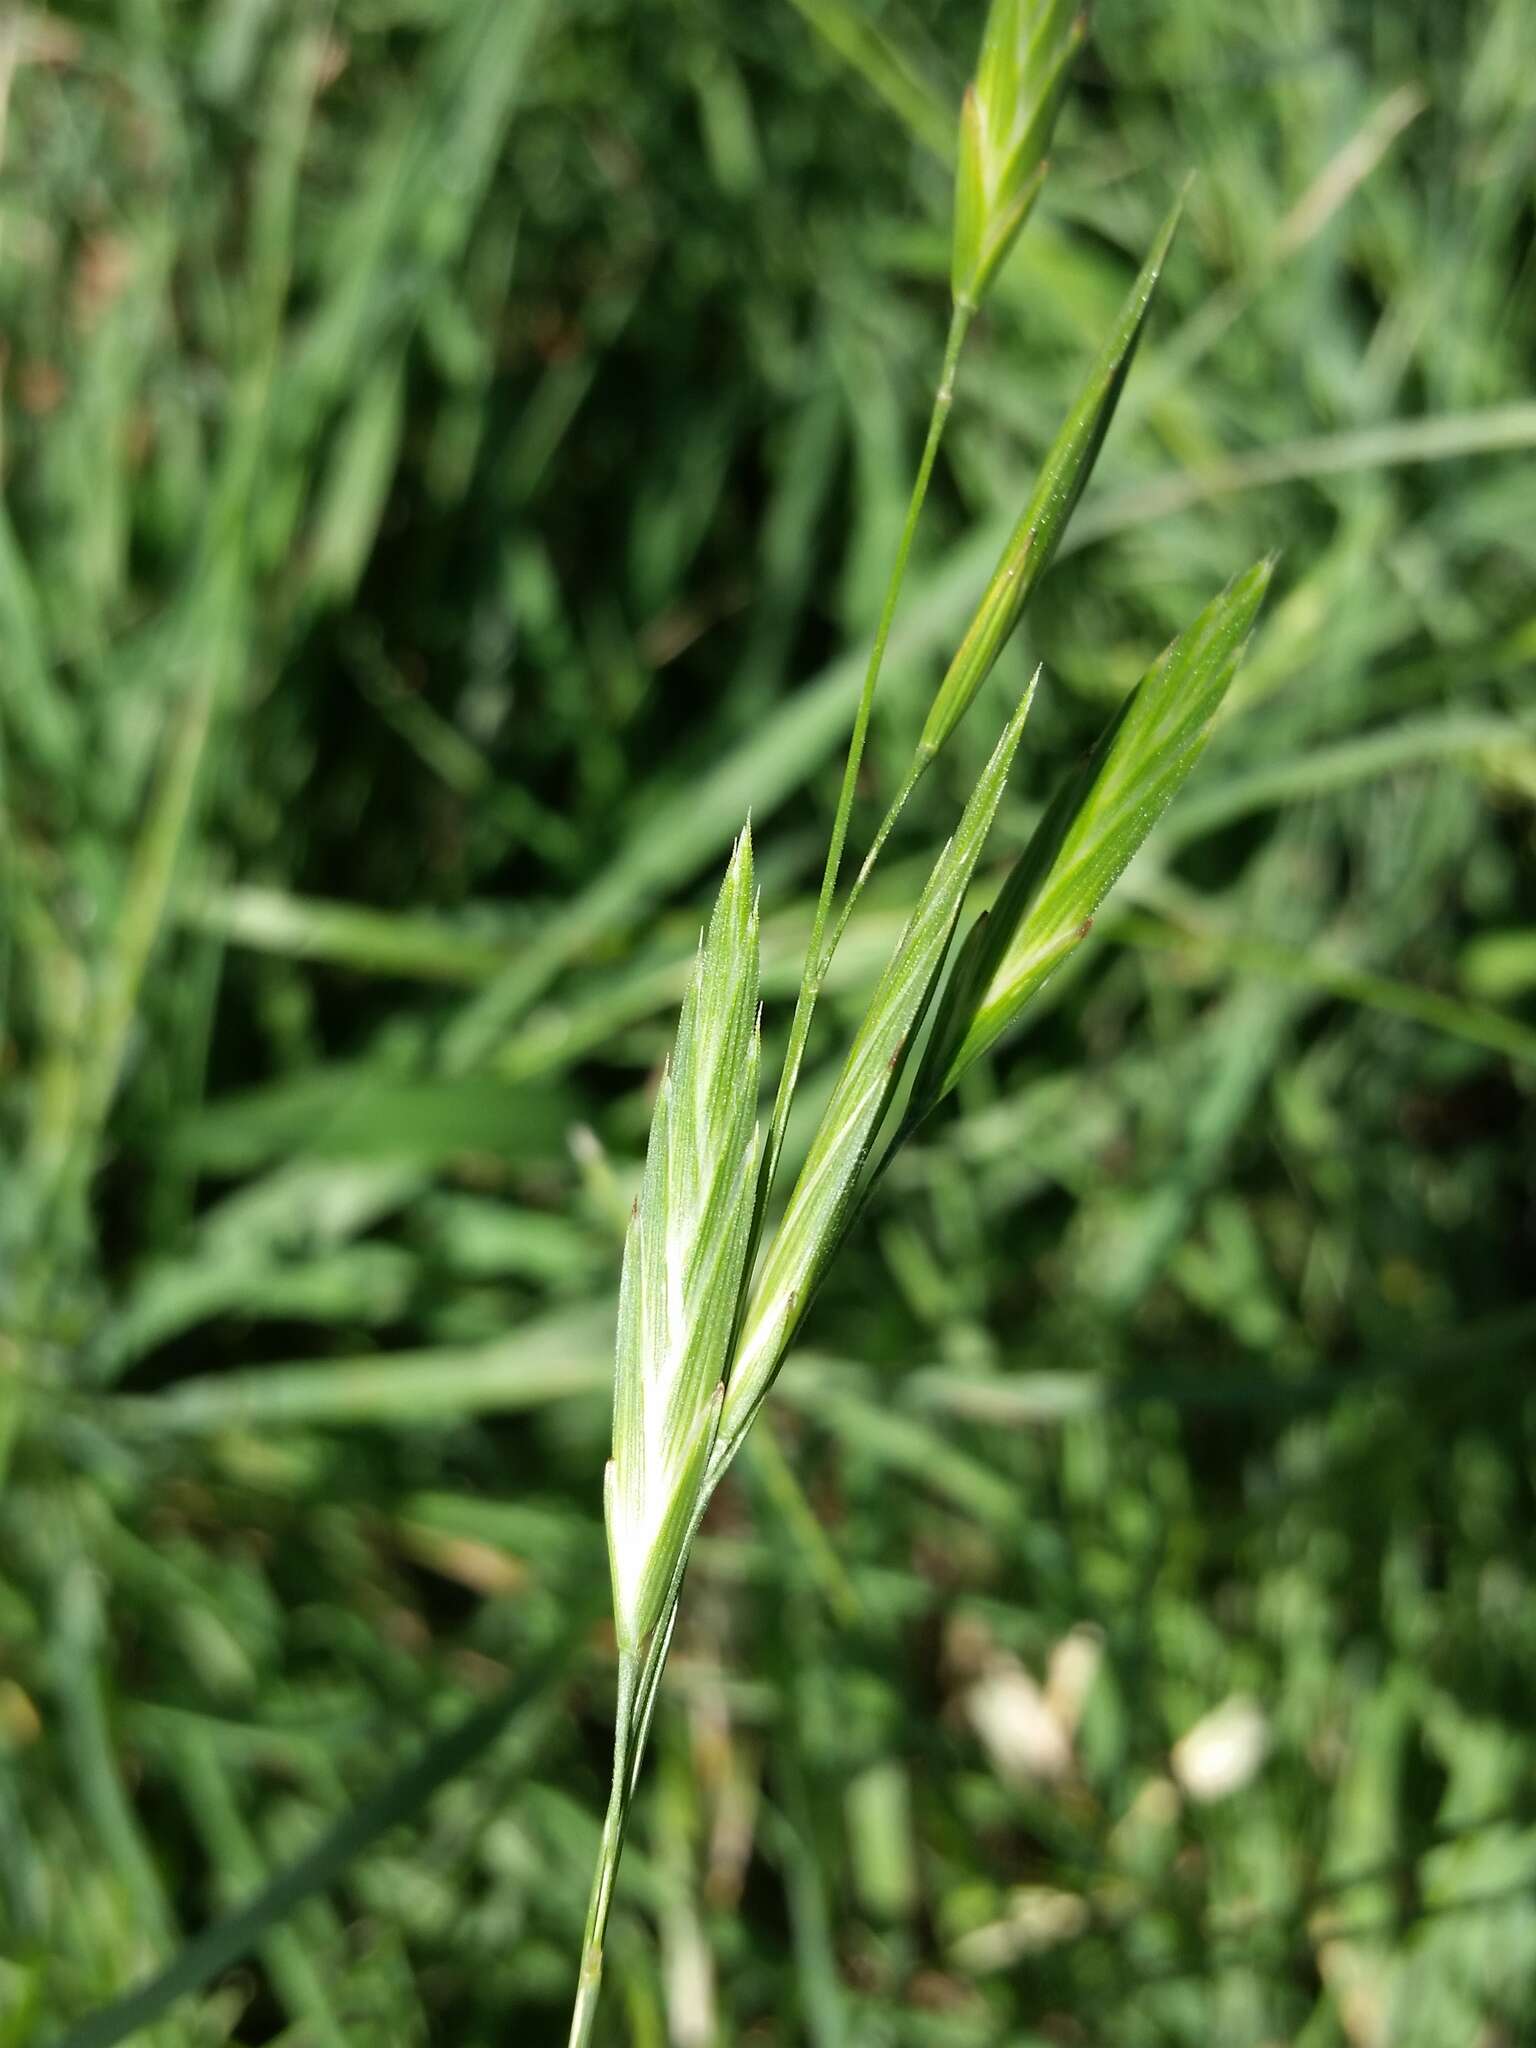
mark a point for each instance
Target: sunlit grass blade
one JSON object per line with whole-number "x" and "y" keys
{"x": 821, "y": 1203}
{"x": 557, "y": 1357}
{"x": 1089, "y": 833}
{"x": 1209, "y": 950}
{"x": 886, "y": 69}
{"x": 683, "y": 1261}
{"x": 1063, "y": 474}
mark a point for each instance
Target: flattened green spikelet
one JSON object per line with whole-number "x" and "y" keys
{"x": 1063, "y": 476}
{"x": 1006, "y": 121}
{"x": 683, "y": 1261}
{"x": 1090, "y": 832}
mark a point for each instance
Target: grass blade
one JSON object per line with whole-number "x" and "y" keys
{"x": 238, "y": 1933}
{"x": 695, "y": 824}
{"x": 1208, "y": 948}
{"x": 211, "y": 1803}
{"x": 415, "y": 946}
{"x": 887, "y": 71}
{"x": 560, "y": 1355}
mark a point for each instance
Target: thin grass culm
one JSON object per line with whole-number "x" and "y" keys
{"x": 708, "y": 1308}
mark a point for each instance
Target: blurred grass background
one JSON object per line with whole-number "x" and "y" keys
{"x": 452, "y": 451}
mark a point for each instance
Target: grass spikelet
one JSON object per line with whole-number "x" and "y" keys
{"x": 1090, "y": 832}
{"x": 1063, "y": 475}
{"x": 683, "y": 1261}
{"x": 1009, "y": 112}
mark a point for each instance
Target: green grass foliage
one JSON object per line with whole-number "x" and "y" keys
{"x": 453, "y": 455}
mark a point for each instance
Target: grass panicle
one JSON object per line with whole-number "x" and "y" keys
{"x": 676, "y": 1428}
{"x": 1006, "y": 123}
{"x": 1028, "y": 554}
{"x": 695, "y": 1309}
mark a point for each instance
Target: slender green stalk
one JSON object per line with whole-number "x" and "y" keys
{"x": 639, "y": 1684}
{"x": 916, "y": 769}
{"x": 818, "y": 955}
{"x": 590, "y": 1981}
{"x": 656, "y": 1652}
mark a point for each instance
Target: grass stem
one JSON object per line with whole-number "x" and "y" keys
{"x": 590, "y": 1981}
{"x": 818, "y": 955}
